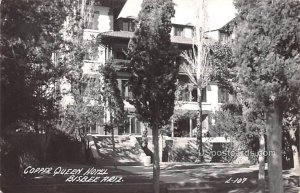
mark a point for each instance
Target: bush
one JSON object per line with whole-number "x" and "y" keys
{"x": 63, "y": 148}
{"x": 9, "y": 160}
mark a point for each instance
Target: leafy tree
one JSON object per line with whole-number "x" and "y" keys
{"x": 267, "y": 51}
{"x": 244, "y": 122}
{"x": 114, "y": 100}
{"x": 41, "y": 43}
{"x": 30, "y": 34}
{"x": 84, "y": 109}
{"x": 154, "y": 70}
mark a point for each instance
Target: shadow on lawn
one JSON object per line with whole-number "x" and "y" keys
{"x": 228, "y": 179}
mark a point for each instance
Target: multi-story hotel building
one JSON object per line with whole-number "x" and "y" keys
{"x": 114, "y": 21}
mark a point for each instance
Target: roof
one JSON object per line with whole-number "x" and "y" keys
{"x": 228, "y": 27}
{"x": 219, "y": 12}
{"x": 128, "y": 35}
{"x": 182, "y": 17}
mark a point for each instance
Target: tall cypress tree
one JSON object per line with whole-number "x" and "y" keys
{"x": 154, "y": 70}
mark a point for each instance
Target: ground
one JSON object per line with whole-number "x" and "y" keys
{"x": 175, "y": 177}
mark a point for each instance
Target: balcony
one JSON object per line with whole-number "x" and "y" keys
{"x": 193, "y": 106}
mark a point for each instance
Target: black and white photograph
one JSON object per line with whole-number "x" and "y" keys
{"x": 150, "y": 96}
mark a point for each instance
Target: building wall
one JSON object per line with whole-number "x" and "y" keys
{"x": 103, "y": 22}
{"x": 105, "y": 19}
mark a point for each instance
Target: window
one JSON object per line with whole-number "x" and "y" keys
{"x": 223, "y": 95}
{"x": 178, "y": 31}
{"x": 182, "y": 127}
{"x": 92, "y": 128}
{"x": 184, "y": 94}
{"x": 128, "y": 26}
{"x": 125, "y": 90}
{"x": 125, "y": 26}
{"x": 203, "y": 95}
{"x": 133, "y": 126}
{"x": 194, "y": 95}
{"x": 224, "y": 37}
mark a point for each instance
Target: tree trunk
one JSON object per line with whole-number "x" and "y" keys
{"x": 46, "y": 142}
{"x": 261, "y": 160}
{"x": 274, "y": 144}
{"x": 296, "y": 158}
{"x": 156, "y": 167}
{"x": 145, "y": 137}
{"x": 113, "y": 138}
{"x": 199, "y": 128}
{"x": 114, "y": 147}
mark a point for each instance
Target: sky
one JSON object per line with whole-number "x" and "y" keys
{"x": 219, "y": 12}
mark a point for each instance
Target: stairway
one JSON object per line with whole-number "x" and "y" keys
{"x": 128, "y": 150}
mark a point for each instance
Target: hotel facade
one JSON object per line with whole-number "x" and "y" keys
{"x": 114, "y": 22}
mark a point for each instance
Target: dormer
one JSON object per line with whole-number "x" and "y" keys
{"x": 226, "y": 33}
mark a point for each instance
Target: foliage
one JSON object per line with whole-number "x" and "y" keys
{"x": 84, "y": 110}
{"x": 224, "y": 72}
{"x": 30, "y": 34}
{"x": 112, "y": 93}
{"x": 65, "y": 148}
{"x": 153, "y": 67}
{"x": 76, "y": 120}
{"x": 37, "y": 49}
{"x": 114, "y": 101}
{"x": 154, "y": 70}
{"x": 241, "y": 124}
{"x": 267, "y": 50}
